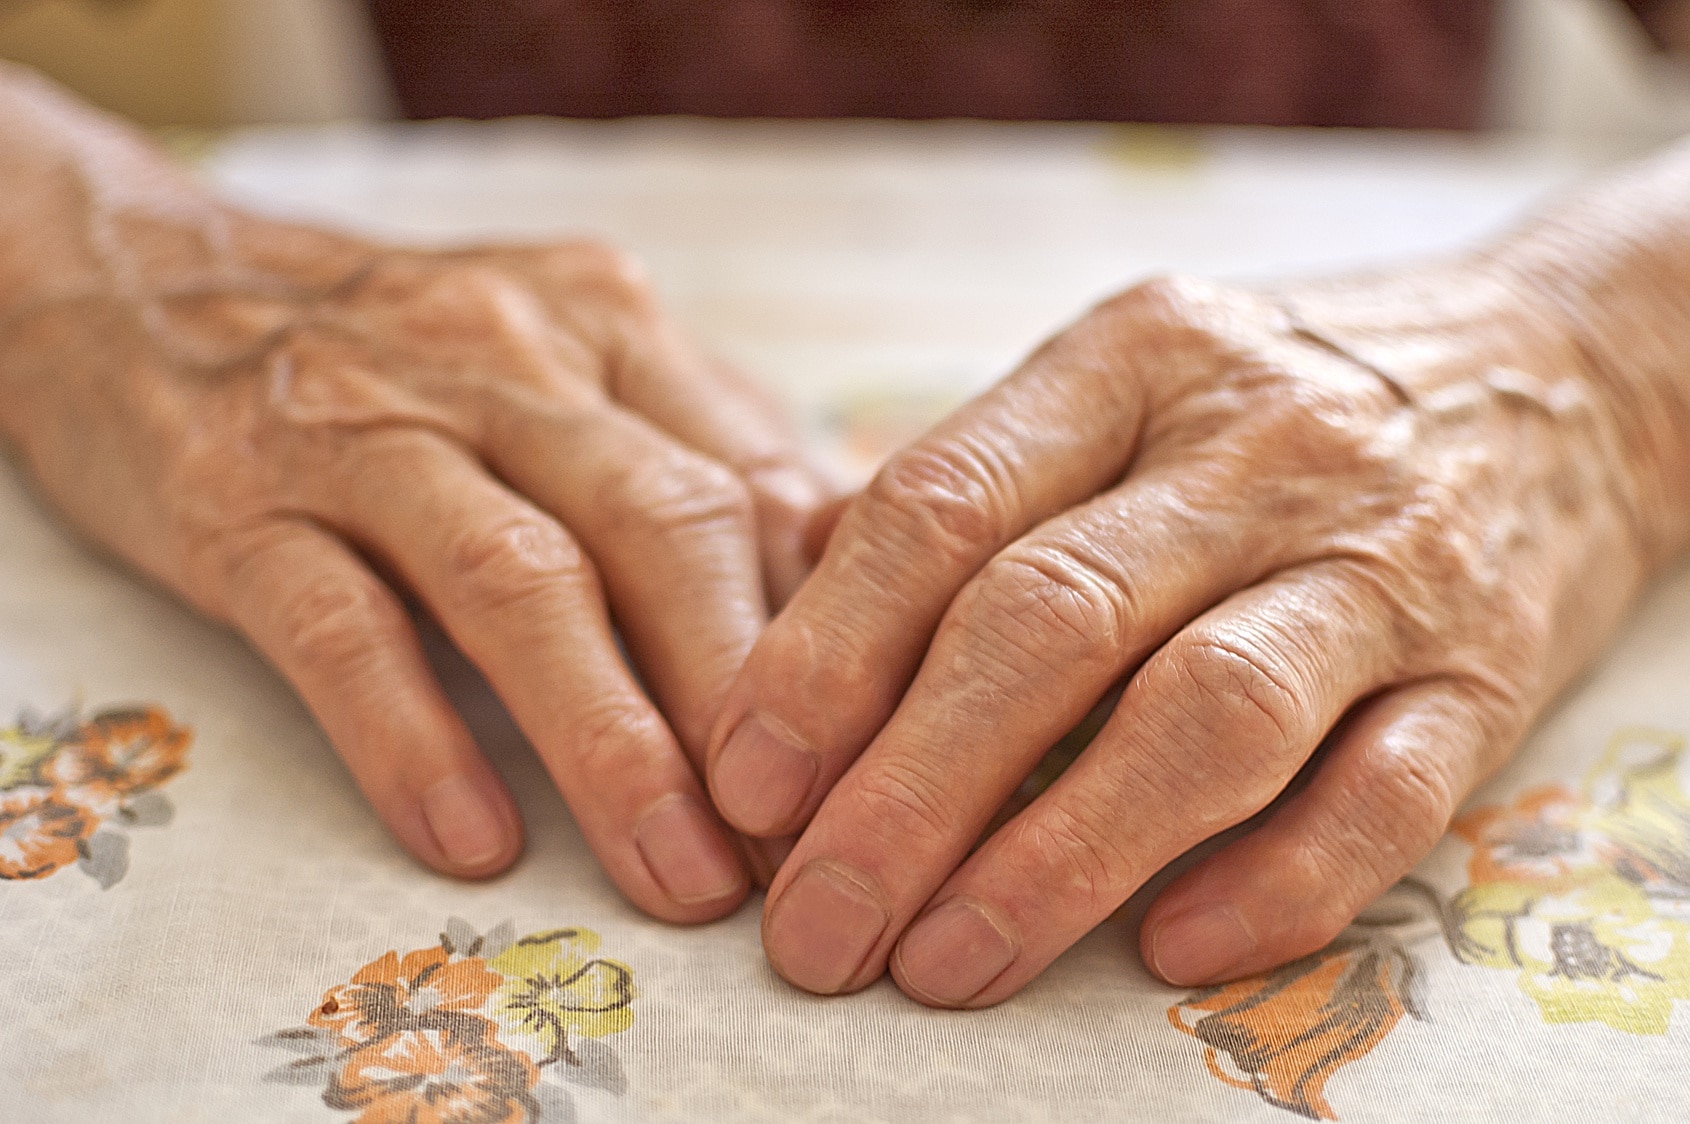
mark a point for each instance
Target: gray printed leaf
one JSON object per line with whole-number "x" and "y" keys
{"x": 104, "y": 857}
{"x": 459, "y": 936}
{"x": 498, "y": 938}
{"x": 599, "y": 1068}
{"x": 315, "y": 1070}
{"x": 555, "y": 1104}
{"x": 299, "y": 1039}
{"x": 148, "y": 809}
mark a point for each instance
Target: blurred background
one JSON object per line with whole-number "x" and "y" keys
{"x": 1598, "y": 70}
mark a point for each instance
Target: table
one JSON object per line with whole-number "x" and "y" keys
{"x": 214, "y": 937}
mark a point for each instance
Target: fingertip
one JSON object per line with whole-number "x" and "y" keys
{"x": 475, "y": 828}
{"x": 791, "y": 498}
{"x": 823, "y": 928}
{"x": 762, "y": 777}
{"x": 691, "y": 860}
{"x": 819, "y": 528}
{"x": 952, "y": 955}
{"x": 1199, "y": 944}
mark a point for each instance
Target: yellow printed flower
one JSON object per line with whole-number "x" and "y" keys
{"x": 556, "y": 987}
{"x": 1596, "y": 952}
{"x": 20, "y": 755}
{"x": 1640, "y": 802}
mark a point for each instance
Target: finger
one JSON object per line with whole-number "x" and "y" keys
{"x": 1026, "y": 651}
{"x": 344, "y": 642}
{"x": 821, "y": 527}
{"x": 1206, "y": 734}
{"x": 516, "y": 594}
{"x": 715, "y": 409}
{"x": 1058, "y": 618}
{"x": 826, "y": 674}
{"x": 653, "y": 369}
{"x": 1377, "y": 804}
{"x": 672, "y": 536}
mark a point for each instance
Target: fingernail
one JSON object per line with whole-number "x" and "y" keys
{"x": 686, "y": 853}
{"x": 822, "y": 929}
{"x": 953, "y": 953}
{"x": 1200, "y": 945}
{"x": 762, "y": 777}
{"x": 465, "y": 822}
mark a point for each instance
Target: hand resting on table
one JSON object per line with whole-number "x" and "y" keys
{"x": 288, "y": 427}
{"x": 1392, "y": 514}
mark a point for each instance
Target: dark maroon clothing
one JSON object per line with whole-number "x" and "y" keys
{"x": 1412, "y": 63}
{"x": 1664, "y": 20}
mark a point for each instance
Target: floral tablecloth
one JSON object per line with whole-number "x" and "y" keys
{"x": 200, "y": 920}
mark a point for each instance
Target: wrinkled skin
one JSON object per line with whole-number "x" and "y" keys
{"x": 1392, "y": 516}
{"x": 293, "y": 429}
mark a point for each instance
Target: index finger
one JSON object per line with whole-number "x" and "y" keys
{"x": 826, "y": 674}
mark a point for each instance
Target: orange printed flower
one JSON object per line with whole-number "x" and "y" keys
{"x": 386, "y": 992}
{"x": 38, "y": 833}
{"x": 427, "y": 1038}
{"x": 1541, "y": 838}
{"x": 452, "y": 1072}
{"x": 1284, "y": 1034}
{"x": 117, "y": 753}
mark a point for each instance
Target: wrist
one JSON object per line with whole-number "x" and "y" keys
{"x": 109, "y": 253}
{"x": 1608, "y": 296}
{"x": 1524, "y": 324}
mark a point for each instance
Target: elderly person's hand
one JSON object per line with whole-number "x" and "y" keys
{"x": 288, "y": 427}
{"x": 1392, "y": 516}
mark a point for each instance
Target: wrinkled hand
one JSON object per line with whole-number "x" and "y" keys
{"x": 1389, "y": 515}
{"x": 289, "y": 427}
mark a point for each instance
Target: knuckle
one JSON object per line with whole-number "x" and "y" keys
{"x": 1416, "y": 798}
{"x": 1162, "y": 293}
{"x": 464, "y": 298}
{"x": 1074, "y": 861}
{"x": 699, "y": 496}
{"x": 613, "y": 273}
{"x": 511, "y": 563}
{"x": 611, "y": 738}
{"x": 1239, "y": 693}
{"x": 333, "y": 625}
{"x": 904, "y": 803}
{"x": 823, "y": 663}
{"x": 944, "y": 496}
{"x": 323, "y": 620}
{"x": 1181, "y": 302}
{"x": 1401, "y": 805}
{"x": 1329, "y": 889}
{"x": 1051, "y": 602}
{"x": 1227, "y": 728}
